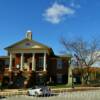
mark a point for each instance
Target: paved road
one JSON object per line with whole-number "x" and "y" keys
{"x": 83, "y": 95}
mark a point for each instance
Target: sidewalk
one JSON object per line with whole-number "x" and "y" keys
{"x": 10, "y": 92}
{"x": 75, "y": 89}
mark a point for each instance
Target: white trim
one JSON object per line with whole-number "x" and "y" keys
{"x": 28, "y": 51}
{"x": 22, "y": 61}
{"x": 44, "y": 63}
{"x": 33, "y": 62}
{"x": 10, "y": 64}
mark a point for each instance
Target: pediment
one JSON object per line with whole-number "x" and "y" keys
{"x": 27, "y": 44}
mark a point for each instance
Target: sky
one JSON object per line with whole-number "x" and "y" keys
{"x": 49, "y": 20}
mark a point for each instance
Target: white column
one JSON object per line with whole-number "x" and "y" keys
{"x": 10, "y": 64}
{"x": 33, "y": 62}
{"x": 22, "y": 58}
{"x": 44, "y": 63}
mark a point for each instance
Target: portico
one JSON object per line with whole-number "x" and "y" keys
{"x": 26, "y": 60}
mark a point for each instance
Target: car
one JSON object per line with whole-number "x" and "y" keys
{"x": 39, "y": 91}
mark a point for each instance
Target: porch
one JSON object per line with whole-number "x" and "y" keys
{"x": 28, "y": 62}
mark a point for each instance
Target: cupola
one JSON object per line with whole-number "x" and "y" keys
{"x": 29, "y": 35}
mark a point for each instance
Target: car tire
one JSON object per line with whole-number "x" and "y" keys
{"x": 36, "y": 94}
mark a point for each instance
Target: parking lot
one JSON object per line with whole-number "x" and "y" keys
{"x": 79, "y": 95}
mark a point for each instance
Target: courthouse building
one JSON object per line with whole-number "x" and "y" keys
{"x": 29, "y": 63}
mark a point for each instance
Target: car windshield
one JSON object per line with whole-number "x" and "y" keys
{"x": 41, "y": 89}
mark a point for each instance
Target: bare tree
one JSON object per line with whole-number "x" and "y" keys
{"x": 87, "y": 53}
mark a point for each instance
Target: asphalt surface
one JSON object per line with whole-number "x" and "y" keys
{"x": 79, "y": 95}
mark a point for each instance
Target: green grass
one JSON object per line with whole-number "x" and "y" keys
{"x": 64, "y": 86}
{"x": 60, "y": 86}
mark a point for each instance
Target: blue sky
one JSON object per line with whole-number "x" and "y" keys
{"x": 48, "y": 20}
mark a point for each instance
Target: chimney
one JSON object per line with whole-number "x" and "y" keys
{"x": 29, "y": 35}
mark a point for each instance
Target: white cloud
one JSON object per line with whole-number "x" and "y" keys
{"x": 57, "y": 12}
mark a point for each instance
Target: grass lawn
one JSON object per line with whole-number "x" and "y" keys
{"x": 60, "y": 86}
{"x": 63, "y": 86}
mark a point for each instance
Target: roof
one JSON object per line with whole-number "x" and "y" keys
{"x": 28, "y": 40}
{"x": 64, "y": 56}
{"x": 4, "y": 57}
{"x": 61, "y": 56}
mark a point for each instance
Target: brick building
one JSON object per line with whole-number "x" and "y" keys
{"x": 29, "y": 62}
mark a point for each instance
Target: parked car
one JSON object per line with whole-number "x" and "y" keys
{"x": 39, "y": 91}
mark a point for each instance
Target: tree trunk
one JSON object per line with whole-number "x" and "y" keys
{"x": 85, "y": 79}
{"x": 70, "y": 82}
{"x": 82, "y": 80}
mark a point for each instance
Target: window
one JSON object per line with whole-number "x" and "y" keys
{"x": 40, "y": 61}
{"x": 59, "y": 78}
{"x": 28, "y": 44}
{"x": 6, "y": 62}
{"x": 59, "y": 64}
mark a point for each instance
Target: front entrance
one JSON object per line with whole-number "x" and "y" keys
{"x": 39, "y": 62}
{"x": 28, "y": 61}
